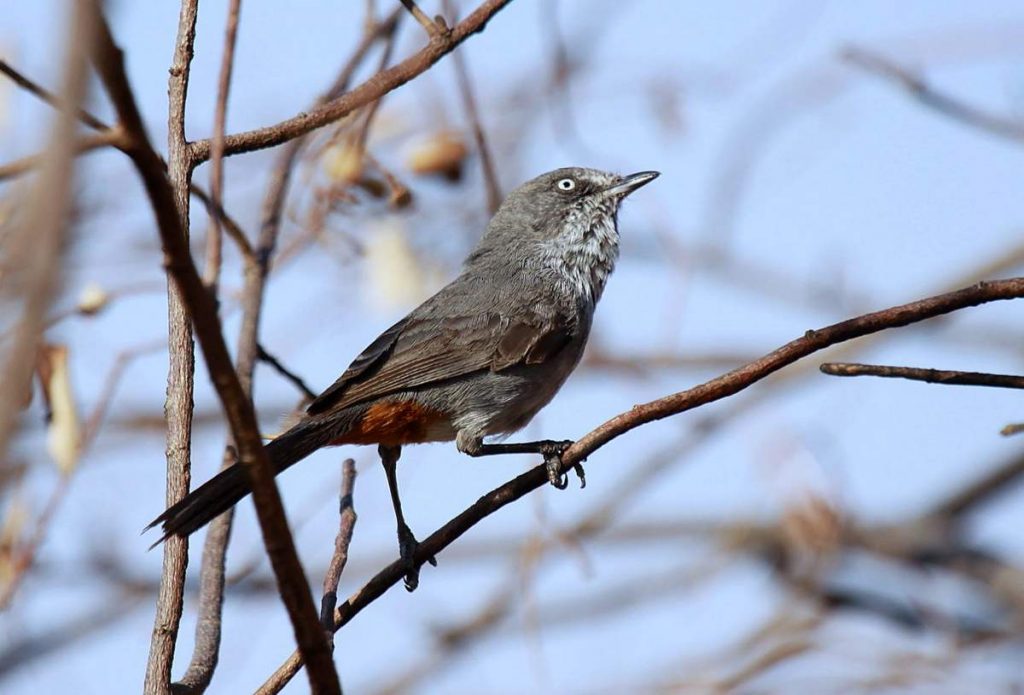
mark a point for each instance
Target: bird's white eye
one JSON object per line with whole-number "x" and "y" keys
{"x": 566, "y": 185}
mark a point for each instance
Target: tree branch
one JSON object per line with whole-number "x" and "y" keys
{"x": 491, "y": 184}
{"x": 332, "y": 576}
{"x": 212, "y": 572}
{"x": 49, "y": 97}
{"x": 174, "y": 177}
{"x": 721, "y": 387}
{"x": 370, "y": 90}
{"x": 347, "y": 524}
{"x": 433, "y": 28}
{"x": 931, "y": 376}
{"x": 929, "y": 96}
{"x": 291, "y": 376}
{"x": 295, "y": 590}
{"x": 213, "y": 231}
{"x": 104, "y": 138}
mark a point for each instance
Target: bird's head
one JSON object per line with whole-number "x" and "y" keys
{"x": 562, "y": 210}
{"x": 562, "y": 226}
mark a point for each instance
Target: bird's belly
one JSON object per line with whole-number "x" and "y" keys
{"x": 505, "y": 402}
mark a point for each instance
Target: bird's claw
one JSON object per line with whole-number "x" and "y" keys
{"x": 552, "y": 452}
{"x": 407, "y": 547}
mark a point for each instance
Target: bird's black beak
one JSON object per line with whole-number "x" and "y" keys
{"x": 630, "y": 183}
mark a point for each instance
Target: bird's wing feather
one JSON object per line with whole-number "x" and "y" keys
{"x": 417, "y": 352}
{"x": 367, "y": 359}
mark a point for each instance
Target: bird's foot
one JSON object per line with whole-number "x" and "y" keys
{"x": 407, "y": 547}
{"x": 552, "y": 452}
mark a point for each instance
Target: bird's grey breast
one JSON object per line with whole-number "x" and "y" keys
{"x": 583, "y": 255}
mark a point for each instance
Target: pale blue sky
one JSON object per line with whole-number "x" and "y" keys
{"x": 851, "y": 186}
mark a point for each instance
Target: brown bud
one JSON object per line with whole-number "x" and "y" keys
{"x": 442, "y": 153}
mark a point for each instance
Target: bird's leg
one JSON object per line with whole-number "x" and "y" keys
{"x": 407, "y": 543}
{"x": 550, "y": 449}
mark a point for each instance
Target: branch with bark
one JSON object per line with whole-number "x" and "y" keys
{"x": 716, "y": 389}
{"x": 201, "y": 310}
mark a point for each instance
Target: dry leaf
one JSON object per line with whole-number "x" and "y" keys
{"x": 442, "y": 153}
{"x": 343, "y": 162}
{"x": 62, "y": 437}
{"x": 92, "y": 299}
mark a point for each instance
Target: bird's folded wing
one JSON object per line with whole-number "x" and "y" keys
{"x": 416, "y": 352}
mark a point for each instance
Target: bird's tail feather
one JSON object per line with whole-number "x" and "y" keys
{"x": 227, "y": 488}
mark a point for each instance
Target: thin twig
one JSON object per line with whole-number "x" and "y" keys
{"x": 291, "y": 376}
{"x": 212, "y": 571}
{"x": 432, "y": 27}
{"x": 49, "y": 97}
{"x": 491, "y": 184}
{"x": 372, "y": 89}
{"x": 931, "y": 376}
{"x": 211, "y": 275}
{"x": 929, "y": 96}
{"x": 979, "y": 491}
{"x": 716, "y": 389}
{"x": 230, "y": 225}
{"x": 399, "y": 195}
{"x": 346, "y": 525}
{"x": 212, "y": 578}
{"x": 294, "y": 588}
{"x": 112, "y": 137}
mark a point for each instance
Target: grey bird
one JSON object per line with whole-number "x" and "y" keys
{"x": 479, "y": 358}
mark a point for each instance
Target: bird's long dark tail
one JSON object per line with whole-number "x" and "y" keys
{"x": 227, "y": 488}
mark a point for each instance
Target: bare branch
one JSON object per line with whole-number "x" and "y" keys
{"x": 291, "y": 376}
{"x": 980, "y": 491}
{"x": 212, "y": 572}
{"x": 112, "y": 137}
{"x": 491, "y": 184}
{"x": 213, "y": 231}
{"x": 174, "y": 184}
{"x": 347, "y": 524}
{"x": 432, "y": 27}
{"x": 931, "y": 376}
{"x": 295, "y": 591}
{"x": 811, "y": 342}
{"x": 230, "y": 225}
{"x": 929, "y": 96}
{"x": 370, "y": 90}
{"x": 716, "y": 389}
{"x": 49, "y": 97}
